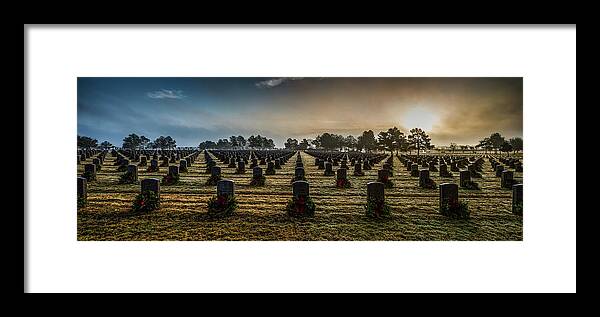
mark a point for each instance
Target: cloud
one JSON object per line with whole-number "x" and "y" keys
{"x": 166, "y": 93}
{"x": 275, "y": 82}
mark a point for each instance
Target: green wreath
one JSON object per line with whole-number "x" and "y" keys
{"x": 455, "y": 210}
{"x": 377, "y": 208}
{"x": 126, "y": 178}
{"x": 145, "y": 202}
{"x": 152, "y": 169}
{"x": 212, "y": 180}
{"x": 471, "y": 185}
{"x": 89, "y": 176}
{"x": 301, "y": 207}
{"x": 518, "y": 209}
{"x": 170, "y": 179}
{"x": 386, "y": 181}
{"x": 258, "y": 181}
{"x": 343, "y": 183}
{"x": 429, "y": 184}
{"x": 81, "y": 201}
{"x": 219, "y": 206}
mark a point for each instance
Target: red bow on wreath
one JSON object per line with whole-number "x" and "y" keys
{"x": 221, "y": 200}
{"x": 300, "y": 204}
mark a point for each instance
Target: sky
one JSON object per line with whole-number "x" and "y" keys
{"x": 194, "y": 109}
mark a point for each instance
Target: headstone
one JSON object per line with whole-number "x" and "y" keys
{"x": 443, "y": 169}
{"x": 423, "y": 177}
{"x": 382, "y": 174}
{"x": 174, "y": 170}
{"x": 81, "y": 187}
{"x": 91, "y": 170}
{"x": 277, "y": 164}
{"x": 414, "y": 170}
{"x": 151, "y": 184}
{"x": 154, "y": 163}
{"x": 499, "y": 170}
{"x": 454, "y": 166}
{"x": 257, "y": 172}
{"x": 357, "y": 169}
{"x": 133, "y": 170}
{"x": 183, "y": 165}
{"x": 507, "y": 179}
{"x": 448, "y": 194}
{"x": 376, "y": 191}
{"x": 143, "y": 161}
{"x": 215, "y": 171}
{"x": 341, "y": 173}
{"x": 225, "y": 187}
{"x": 241, "y": 167}
{"x": 300, "y": 189}
{"x": 517, "y": 197}
{"x": 465, "y": 177}
{"x": 299, "y": 172}
{"x": 328, "y": 167}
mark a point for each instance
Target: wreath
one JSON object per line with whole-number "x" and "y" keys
{"x": 329, "y": 173}
{"x": 89, "y": 176}
{"x": 446, "y": 174}
{"x": 240, "y": 170}
{"x": 476, "y": 174}
{"x": 518, "y": 209}
{"x": 510, "y": 183}
{"x": 212, "y": 180}
{"x": 455, "y": 209}
{"x": 377, "y": 208}
{"x": 98, "y": 167}
{"x": 127, "y": 178}
{"x": 258, "y": 181}
{"x": 221, "y": 205}
{"x": 270, "y": 171}
{"x": 81, "y": 201}
{"x": 152, "y": 169}
{"x": 146, "y": 201}
{"x": 343, "y": 183}
{"x": 170, "y": 179}
{"x": 429, "y": 184}
{"x": 471, "y": 185}
{"x": 301, "y": 207}
{"x": 183, "y": 169}
{"x": 386, "y": 181}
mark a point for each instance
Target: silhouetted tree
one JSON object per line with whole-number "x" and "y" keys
{"x": 106, "y": 145}
{"x": 85, "y": 142}
{"x": 517, "y": 144}
{"x": 419, "y": 139}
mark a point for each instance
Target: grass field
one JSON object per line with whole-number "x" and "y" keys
{"x": 261, "y": 215}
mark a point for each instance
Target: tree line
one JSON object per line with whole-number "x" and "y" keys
{"x": 391, "y": 140}
{"x": 497, "y": 143}
{"x": 132, "y": 141}
{"x": 239, "y": 142}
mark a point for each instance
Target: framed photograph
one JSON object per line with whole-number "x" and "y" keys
{"x": 234, "y": 156}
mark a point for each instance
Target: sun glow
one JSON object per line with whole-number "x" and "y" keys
{"x": 419, "y": 117}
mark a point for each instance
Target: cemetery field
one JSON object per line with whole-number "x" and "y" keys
{"x": 261, "y": 215}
